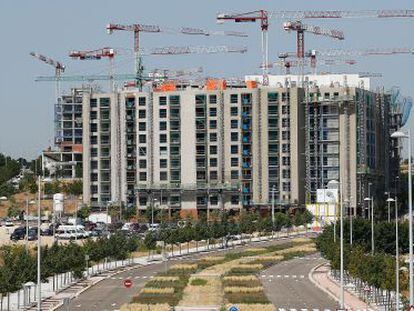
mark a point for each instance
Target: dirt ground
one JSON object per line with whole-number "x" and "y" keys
{"x": 69, "y": 204}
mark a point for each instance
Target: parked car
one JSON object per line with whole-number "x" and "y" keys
{"x": 18, "y": 234}
{"x": 8, "y": 223}
{"x": 46, "y": 232}
{"x": 32, "y": 234}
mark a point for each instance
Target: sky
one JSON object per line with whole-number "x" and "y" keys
{"x": 53, "y": 28}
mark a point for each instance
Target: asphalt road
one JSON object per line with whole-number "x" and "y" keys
{"x": 110, "y": 294}
{"x": 288, "y": 287}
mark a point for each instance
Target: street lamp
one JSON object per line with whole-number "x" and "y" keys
{"x": 27, "y": 222}
{"x": 397, "y": 263}
{"x": 369, "y": 200}
{"x": 39, "y": 285}
{"x": 398, "y": 135}
{"x": 348, "y": 205}
{"x": 273, "y": 208}
{"x": 389, "y": 207}
{"x": 339, "y": 186}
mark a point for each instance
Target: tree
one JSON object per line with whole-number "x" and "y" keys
{"x": 84, "y": 212}
{"x": 150, "y": 242}
{"x": 14, "y": 210}
{"x": 73, "y": 188}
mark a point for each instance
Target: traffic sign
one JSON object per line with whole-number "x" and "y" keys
{"x": 127, "y": 283}
{"x": 234, "y": 308}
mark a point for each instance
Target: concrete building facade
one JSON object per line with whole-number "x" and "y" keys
{"x": 194, "y": 149}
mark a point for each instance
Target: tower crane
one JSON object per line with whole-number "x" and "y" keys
{"x": 180, "y": 50}
{"x": 265, "y": 16}
{"x": 59, "y": 69}
{"x": 314, "y": 55}
{"x": 300, "y": 29}
{"x": 287, "y": 64}
{"x": 138, "y": 28}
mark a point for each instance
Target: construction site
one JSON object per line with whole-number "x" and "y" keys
{"x": 189, "y": 144}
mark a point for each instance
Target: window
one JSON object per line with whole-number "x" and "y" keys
{"x": 163, "y": 101}
{"x": 200, "y": 99}
{"x": 213, "y": 137}
{"x": 273, "y": 135}
{"x": 234, "y": 149}
{"x": 94, "y": 140}
{"x": 105, "y": 102}
{"x": 94, "y": 165}
{"x": 142, "y": 126}
{"x": 163, "y": 126}
{"x": 143, "y": 200}
{"x": 213, "y": 124}
{"x": 141, "y": 114}
{"x": 286, "y": 173}
{"x": 273, "y": 161}
{"x": 285, "y": 135}
{"x": 163, "y": 163}
{"x": 94, "y": 177}
{"x": 94, "y": 152}
{"x": 174, "y": 100}
{"x": 142, "y": 139}
{"x": 213, "y": 175}
{"x": 93, "y": 103}
{"x": 234, "y": 111}
{"x": 163, "y": 151}
{"x": 235, "y": 199}
{"x": 141, "y": 101}
{"x": 272, "y": 97}
{"x": 214, "y": 200}
{"x": 213, "y": 112}
{"x": 213, "y": 162}
{"x": 234, "y": 162}
{"x": 272, "y": 110}
{"x": 201, "y": 175}
{"x": 273, "y": 148}
{"x": 213, "y": 99}
{"x": 142, "y": 163}
{"x": 234, "y": 124}
{"x": 94, "y": 127}
{"x": 285, "y": 122}
{"x": 234, "y": 98}
{"x": 213, "y": 149}
{"x": 285, "y": 109}
{"x": 285, "y": 148}
{"x": 286, "y": 186}
{"x": 163, "y": 113}
{"x": 234, "y": 136}
{"x": 234, "y": 174}
{"x": 93, "y": 115}
{"x": 163, "y": 176}
{"x": 142, "y": 151}
{"x": 163, "y": 138}
{"x": 142, "y": 176}
{"x": 286, "y": 160}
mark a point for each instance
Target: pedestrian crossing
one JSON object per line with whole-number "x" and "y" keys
{"x": 283, "y": 276}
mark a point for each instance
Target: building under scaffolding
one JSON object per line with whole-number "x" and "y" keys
{"x": 196, "y": 148}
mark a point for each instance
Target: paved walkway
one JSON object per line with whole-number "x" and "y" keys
{"x": 320, "y": 277}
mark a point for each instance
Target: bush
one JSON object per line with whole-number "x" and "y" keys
{"x": 198, "y": 282}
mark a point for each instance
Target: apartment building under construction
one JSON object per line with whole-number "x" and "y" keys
{"x": 196, "y": 148}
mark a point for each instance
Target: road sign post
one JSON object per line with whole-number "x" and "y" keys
{"x": 127, "y": 283}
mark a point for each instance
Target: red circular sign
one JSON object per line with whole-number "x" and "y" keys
{"x": 127, "y": 283}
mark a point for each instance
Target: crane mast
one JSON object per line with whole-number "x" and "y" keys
{"x": 59, "y": 69}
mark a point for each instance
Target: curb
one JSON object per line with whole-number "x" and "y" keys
{"x": 326, "y": 291}
{"x": 94, "y": 283}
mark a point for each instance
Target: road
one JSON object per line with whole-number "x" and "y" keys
{"x": 288, "y": 287}
{"x": 110, "y": 294}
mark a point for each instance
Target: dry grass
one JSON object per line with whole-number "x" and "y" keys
{"x": 145, "y": 307}
{"x": 155, "y": 290}
{"x": 240, "y": 278}
{"x": 254, "y": 307}
{"x": 184, "y": 266}
{"x": 274, "y": 258}
{"x": 166, "y": 279}
{"x": 213, "y": 258}
{"x": 246, "y": 266}
{"x": 210, "y": 294}
{"x": 242, "y": 289}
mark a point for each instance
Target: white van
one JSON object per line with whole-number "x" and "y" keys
{"x": 71, "y": 232}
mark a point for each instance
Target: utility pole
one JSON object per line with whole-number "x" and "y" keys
{"x": 273, "y": 208}
{"x": 39, "y": 285}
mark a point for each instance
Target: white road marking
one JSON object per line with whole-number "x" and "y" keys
{"x": 294, "y": 276}
{"x": 286, "y": 276}
{"x": 279, "y": 276}
{"x": 302, "y": 277}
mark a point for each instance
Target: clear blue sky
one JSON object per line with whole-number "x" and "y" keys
{"x": 54, "y": 27}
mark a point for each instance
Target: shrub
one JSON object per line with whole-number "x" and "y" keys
{"x": 198, "y": 282}
{"x": 243, "y": 289}
{"x": 257, "y": 297}
{"x": 154, "y": 290}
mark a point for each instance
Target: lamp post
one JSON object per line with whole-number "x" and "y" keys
{"x": 388, "y": 205}
{"x": 369, "y": 200}
{"x": 39, "y": 285}
{"x": 369, "y": 196}
{"x": 397, "y": 263}
{"x": 273, "y": 208}
{"x": 348, "y": 205}
{"x": 341, "y": 234}
{"x": 397, "y": 135}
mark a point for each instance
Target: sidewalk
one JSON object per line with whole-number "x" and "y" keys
{"x": 320, "y": 277}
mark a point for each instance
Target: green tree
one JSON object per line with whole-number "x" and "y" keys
{"x": 150, "y": 242}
